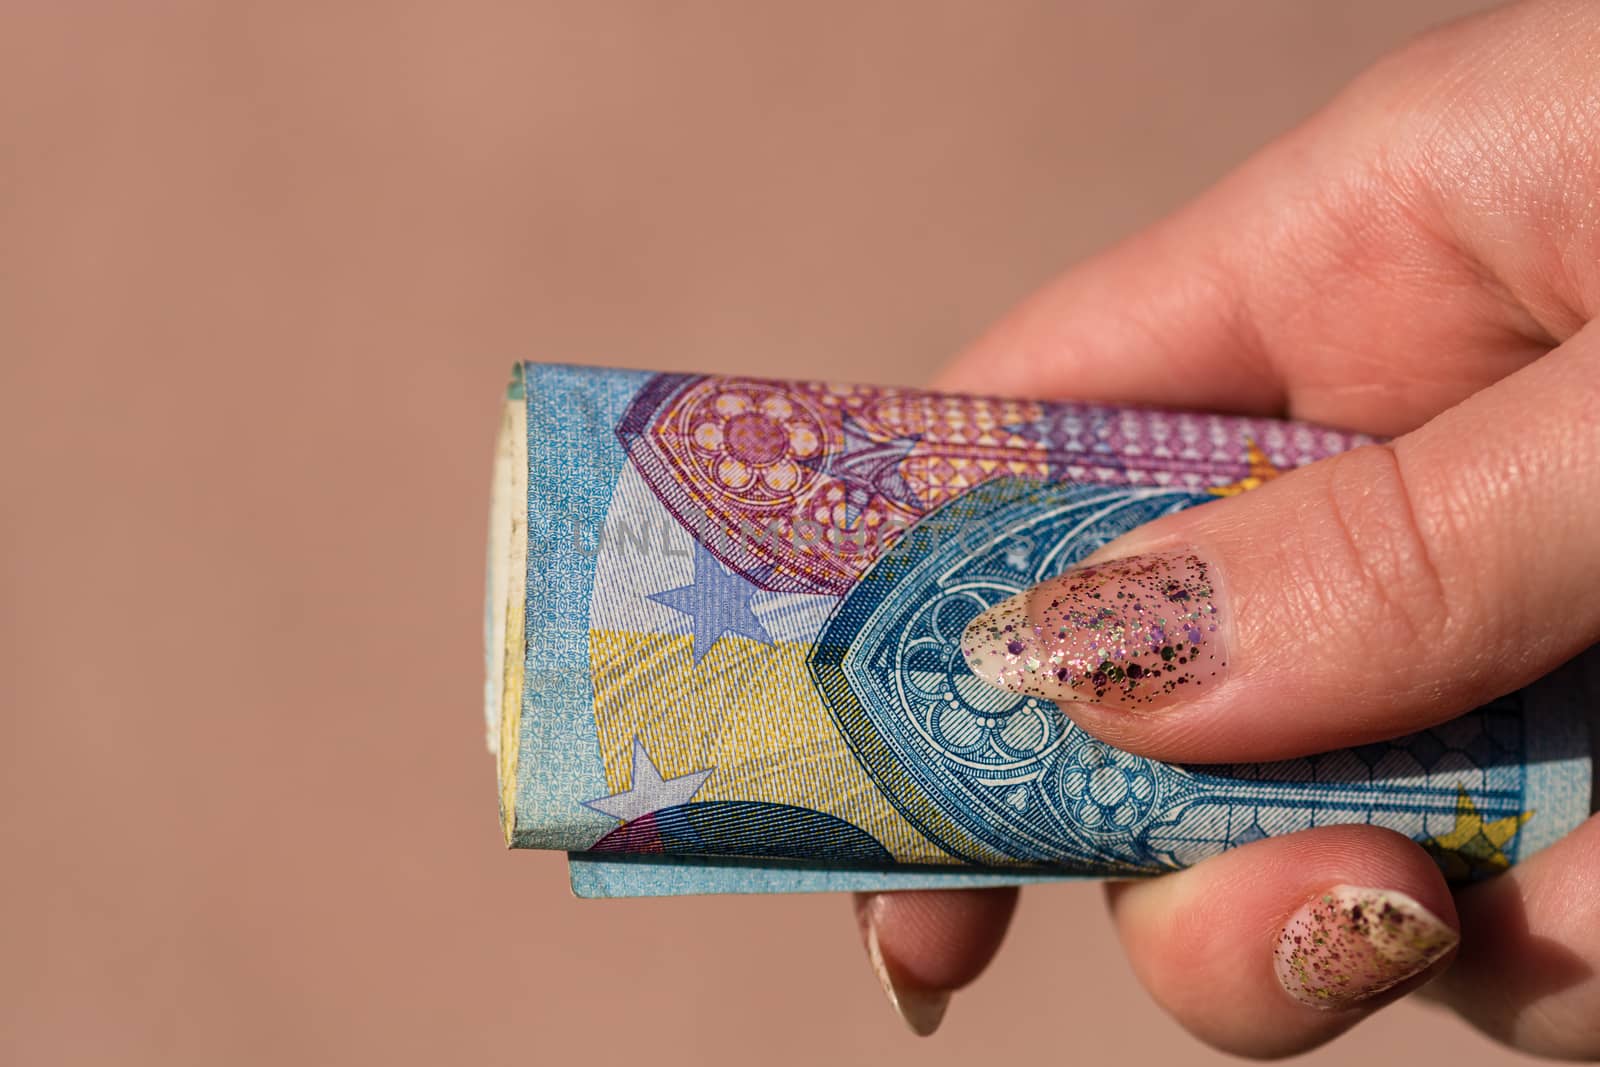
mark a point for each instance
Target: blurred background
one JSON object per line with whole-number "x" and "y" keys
{"x": 263, "y": 270}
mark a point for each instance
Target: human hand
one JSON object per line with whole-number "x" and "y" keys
{"x": 1419, "y": 260}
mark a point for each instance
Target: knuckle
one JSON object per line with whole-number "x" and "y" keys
{"x": 1386, "y": 557}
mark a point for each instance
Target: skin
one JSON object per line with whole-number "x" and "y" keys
{"x": 1420, "y": 260}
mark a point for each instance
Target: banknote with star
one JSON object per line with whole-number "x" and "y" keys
{"x": 723, "y": 640}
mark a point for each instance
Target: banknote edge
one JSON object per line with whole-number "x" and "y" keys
{"x": 510, "y": 547}
{"x": 626, "y": 876}
{"x": 559, "y": 764}
{"x": 1560, "y": 715}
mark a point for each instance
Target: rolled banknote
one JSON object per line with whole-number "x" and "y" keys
{"x": 723, "y": 639}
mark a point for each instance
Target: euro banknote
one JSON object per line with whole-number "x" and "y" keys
{"x": 723, "y": 624}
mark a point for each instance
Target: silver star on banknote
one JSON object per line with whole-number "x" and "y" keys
{"x": 649, "y": 792}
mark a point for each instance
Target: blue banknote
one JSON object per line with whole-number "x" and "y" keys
{"x": 722, "y": 634}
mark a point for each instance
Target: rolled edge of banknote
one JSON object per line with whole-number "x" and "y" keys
{"x": 505, "y": 605}
{"x": 574, "y": 467}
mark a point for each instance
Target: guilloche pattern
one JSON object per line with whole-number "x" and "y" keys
{"x": 744, "y": 608}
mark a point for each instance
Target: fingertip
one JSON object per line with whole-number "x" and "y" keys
{"x": 1529, "y": 969}
{"x": 925, "y": 945}
{"x": 922, "y": 1009}
{"x": 1278, "y": 946}
{"x": 938, "y": 939}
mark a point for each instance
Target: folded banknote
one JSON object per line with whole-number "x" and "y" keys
{"x": 723, "y": 626}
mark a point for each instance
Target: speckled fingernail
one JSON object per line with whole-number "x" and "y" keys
{"x": 1349, "y": 944}
{"x": 1143, "y": 632}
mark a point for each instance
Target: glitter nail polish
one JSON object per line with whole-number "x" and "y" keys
{"x": 1350, "y": 943}
{"x": 1142, "y": 632}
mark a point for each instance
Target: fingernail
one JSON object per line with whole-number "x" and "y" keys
{"x": 1143, "y": 631}
{"x": 1349, "y": 944}
{"x": 921, "y": 1009}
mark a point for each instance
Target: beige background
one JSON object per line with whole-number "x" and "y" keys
{"x": 263, "y": 268}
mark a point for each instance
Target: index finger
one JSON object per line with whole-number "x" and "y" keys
{"x": 1360, "y": 598}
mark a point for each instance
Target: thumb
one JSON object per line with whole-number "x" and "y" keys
{"x": 1363, "y": 597}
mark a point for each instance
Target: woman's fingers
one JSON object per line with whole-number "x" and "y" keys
{"x": 1391, "y": 258}
{"x": 925, "y": 945}
{"x": 1283, "y": 944}
{"x": 1291, "y": 287}
{"x": 1427, "y": 233}
{"x": 1363, "y": 597}
{"x": 1156, "y": 320}
{"x": 1529, "y": 969}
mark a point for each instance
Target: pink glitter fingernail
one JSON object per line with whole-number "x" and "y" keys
{"x": 1349, "y": 944}
{"x": 1144, "y": 631}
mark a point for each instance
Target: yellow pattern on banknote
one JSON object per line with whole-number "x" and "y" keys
{"x": 749, "y": 712}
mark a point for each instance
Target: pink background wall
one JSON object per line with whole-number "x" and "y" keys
{"x": 263, "y": 268}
